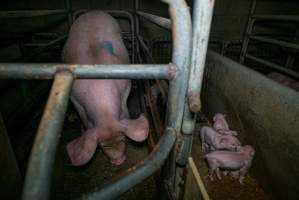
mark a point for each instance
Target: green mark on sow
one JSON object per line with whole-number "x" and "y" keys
{"x": 108, "y": 46}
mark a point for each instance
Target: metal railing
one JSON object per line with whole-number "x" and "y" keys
{"x": 252, "y": 19}
{"x": 38, "y": 176}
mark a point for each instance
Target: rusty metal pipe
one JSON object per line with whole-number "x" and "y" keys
{"x": 138, "y": 172}
{"x": 47, "y": 71}
{"x": 38, "y": 176}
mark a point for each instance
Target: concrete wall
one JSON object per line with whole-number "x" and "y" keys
{"x": 266, "y": 115}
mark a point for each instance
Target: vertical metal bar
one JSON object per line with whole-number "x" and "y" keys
{"x": 291, "y": 58}
{"x": 248, "y": 31}
{"x": 202, "y": 19}
{"x": 181, "y": 34}
{"x": 132, "y": 28}
{"x": 38, "y": 176}
{"x": 137, "y": 26}
{"x": 11, "y": 184}
{"x": 69, "y": 10}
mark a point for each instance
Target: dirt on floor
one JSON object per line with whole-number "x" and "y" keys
{"x": 227, "y": 188}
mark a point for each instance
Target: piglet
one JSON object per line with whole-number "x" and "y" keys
{"x": 212, "y": 140}
{"x": 237, "y": 163}
{"x": 221, "y": 126}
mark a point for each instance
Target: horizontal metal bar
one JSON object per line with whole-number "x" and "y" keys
{"x": 38, "y": 176}
{"x": 275, "y": 41}
{"x": 138, "y": 172}
{"x": 276, "y": 17}
{"x": 273, "y": 65}
{"x": 47, "y": 71}
{"x": 30, "y": 13}
{"x": 50, "y": 43}
{"x": 161, "y": 21}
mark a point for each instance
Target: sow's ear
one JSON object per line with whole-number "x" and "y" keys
{"x": 136, "y": 129}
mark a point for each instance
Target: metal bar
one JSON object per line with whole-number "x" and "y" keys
{"x": 47, "y": 71}
{"x": 181, "y": 30}
{"x": 11, "y": 184}
{"x": 138, "y": 172}
{"x": 248, "y": 31}
{"x": 293, "y": 18}
{"x": 121, "y": 13}
{"x": 137, "y": 23}
{"x": 202, "y": 19}
{"x": 181, "y": 37}
{"x": 50, "y": 43}
{"x": 273, "y": 66}
{"x": 30, "y": 13}
{"x": 291, "y": 58}
{"x": 38, "y": 176}
{"x": 68, "y": 7}
{"x": 160, "y": 21}
{"x": 275, "y": 41}
{"x": 44, "y": 47}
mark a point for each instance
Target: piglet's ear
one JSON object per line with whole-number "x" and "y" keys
{"x": 136, "y": 129}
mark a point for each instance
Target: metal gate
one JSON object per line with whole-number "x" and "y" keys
{"x": 185, "y": 77}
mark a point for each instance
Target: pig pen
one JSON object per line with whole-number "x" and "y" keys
{"x": 244, "y": 95}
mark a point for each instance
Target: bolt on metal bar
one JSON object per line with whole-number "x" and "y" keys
{"x": 47, "y": 71}
{"x": 160, "y": 21}
{"x": 38, "y": 176}
{"x": 138, "y": 172}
